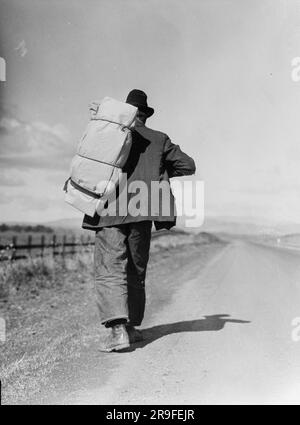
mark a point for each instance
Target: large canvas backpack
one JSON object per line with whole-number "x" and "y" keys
{"x": 101, "y": 154}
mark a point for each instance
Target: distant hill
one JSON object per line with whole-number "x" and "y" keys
{"x": 248, "y": 226}
{"x": 205, "y": 237}
{"x": 292, "y": 239}
{"x": 65, "y": 223}
{"x": 29, "y": 228}
{"x": 212, "y": 224}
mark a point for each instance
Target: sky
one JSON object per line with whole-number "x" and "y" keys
{"x": 217, "y": 72}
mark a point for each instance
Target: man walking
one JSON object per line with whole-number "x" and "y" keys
{"x": 122, "y": 242}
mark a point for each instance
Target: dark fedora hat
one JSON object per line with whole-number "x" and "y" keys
{"x": 138, "y": 98}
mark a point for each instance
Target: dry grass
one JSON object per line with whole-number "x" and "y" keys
{"x": 28, "y": 277}
{"x": 40, "y": 301}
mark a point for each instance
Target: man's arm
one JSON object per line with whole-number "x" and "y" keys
{"x": 177, "y": 163}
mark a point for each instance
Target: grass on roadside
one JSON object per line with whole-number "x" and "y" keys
{"x": 30, "y": 276}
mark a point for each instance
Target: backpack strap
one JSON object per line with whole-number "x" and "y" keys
{"x": 81, "y": 189}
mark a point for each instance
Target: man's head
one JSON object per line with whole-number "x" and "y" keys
{"x": 142, "y": 116}
{"x": 138, "y": 98}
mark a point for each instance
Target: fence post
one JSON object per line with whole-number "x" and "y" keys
{"x": 53, "y": 244}
{"x": 73, "y": 242}
{"x": 42, "y": 245}
{"x": 29, "y": 243}
{"x": 64, "y": 241}
{"x": 14, "y": 247}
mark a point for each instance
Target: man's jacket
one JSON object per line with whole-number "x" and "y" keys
{"x": 152, "y": 160}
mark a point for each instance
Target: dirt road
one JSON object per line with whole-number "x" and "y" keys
{"x": 224, "y": 336}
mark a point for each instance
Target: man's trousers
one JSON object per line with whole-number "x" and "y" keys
{"x": 120, "y": 258}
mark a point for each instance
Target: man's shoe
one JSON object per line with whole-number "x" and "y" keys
{"x": 134, "y": 334}
{"x": 118, "y": 339}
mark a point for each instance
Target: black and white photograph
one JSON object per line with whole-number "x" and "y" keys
{"x": 149, "y": 205}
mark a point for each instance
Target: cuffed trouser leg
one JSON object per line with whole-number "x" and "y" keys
{"x": 121, "y": 257}
{"x": 138, "y": 242}
{"x": 110, "y": 261}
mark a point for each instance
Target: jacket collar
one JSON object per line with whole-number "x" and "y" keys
{"x": 139, "y": 123}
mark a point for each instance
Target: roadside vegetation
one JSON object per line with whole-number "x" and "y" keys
{"x": 27, "y": 278}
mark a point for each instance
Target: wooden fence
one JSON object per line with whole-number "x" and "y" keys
{"x": 66, "y": 245}
{"x": 20, "y": 250}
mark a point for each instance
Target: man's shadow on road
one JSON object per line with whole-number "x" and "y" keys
{"x": 214, "y": 322}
